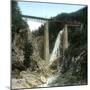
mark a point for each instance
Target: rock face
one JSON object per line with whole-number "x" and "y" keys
{"x": 72, "y": 64}
{"x": 36, "y": 73}
{"x": 17, "y": 49}
{"x": 24, "y": 50}
{"x": 40, "y": 45}
{"x": 28, "y": 80}
{"x": 73, "y": 74}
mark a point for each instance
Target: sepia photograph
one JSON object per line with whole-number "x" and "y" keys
{"x": 48, "y": 44}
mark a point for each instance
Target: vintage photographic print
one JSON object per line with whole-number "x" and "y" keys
{"x": 48, "y": 44}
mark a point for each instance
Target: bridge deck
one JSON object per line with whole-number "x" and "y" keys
{"x": 40, "y": 19}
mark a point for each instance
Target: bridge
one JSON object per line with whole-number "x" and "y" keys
{"x": 41, "y": 19}
{"x": 46, "y": 32}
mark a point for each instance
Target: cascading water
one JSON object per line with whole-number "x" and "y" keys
{"x": 56, "y": 51}
{"x": 54, "y": 55}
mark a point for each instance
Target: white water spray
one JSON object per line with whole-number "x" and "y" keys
{"x": 56, "y": 51}
{"x": 54, "y": 55}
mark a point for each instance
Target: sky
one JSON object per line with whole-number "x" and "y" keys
{"x": 45, "y": 10}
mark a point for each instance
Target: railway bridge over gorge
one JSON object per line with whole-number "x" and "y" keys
{"x": 46, "y": 32}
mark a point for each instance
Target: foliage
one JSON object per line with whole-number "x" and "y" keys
{"x": 39, "y": 32}
{"x": 75, "y": 58}
{"x": 28, "y": 50}
{"x": 17, "y": 22}
{"x": 20, "y": 29}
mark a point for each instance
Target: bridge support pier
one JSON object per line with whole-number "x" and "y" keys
{"x": 46, "y": 43}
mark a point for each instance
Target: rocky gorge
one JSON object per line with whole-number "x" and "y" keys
{"x": 68, "y": 67}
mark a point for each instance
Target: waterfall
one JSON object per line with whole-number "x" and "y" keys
{"x": 54, "y": 56}
{"x": 56, "y": 51}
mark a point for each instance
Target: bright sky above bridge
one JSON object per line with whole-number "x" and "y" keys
{"x": 45, "y": 10}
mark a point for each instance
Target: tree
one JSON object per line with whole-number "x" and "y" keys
{"x": 28, "y": 50}
{"x": 20, "y": 31}
{"x": 17, "y": 22}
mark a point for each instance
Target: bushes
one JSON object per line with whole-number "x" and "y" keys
{"x": 28, "y": 50}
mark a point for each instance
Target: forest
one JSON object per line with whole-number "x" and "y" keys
{"x": 28, "y": 66}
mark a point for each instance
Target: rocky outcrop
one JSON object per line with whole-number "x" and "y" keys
{"x": 40, "y": 45}
{"x": 37, "y": 71}
{"x": 17, "y": 49}
{"x": 28, "y": 80}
